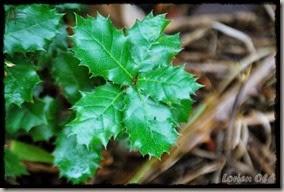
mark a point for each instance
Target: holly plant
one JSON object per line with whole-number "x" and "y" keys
{"x": 141, "y": 95}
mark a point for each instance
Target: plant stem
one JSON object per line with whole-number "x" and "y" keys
{"x": 30, "y": 152}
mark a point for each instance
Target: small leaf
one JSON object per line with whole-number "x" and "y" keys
{"x": 149, "y": 29}
{"x": 32, "y": 26}
{"x": 168, "y": 84}
{"x": 26, "y": 117}
{"x": 58, "y": 44}
{"x": 19, "y": 84}
{"x": 103, "y": 48}
{"x": 75, "y": 161}
{"x": 98, "y": 115}
{"x": 151, "y": 48}
{"x": 38, "y": 118}
{"x": 70, "y": 76}
{"x": 60, "y": 41}
{"x": 148, "y": 124}
{"x": 13, "y": 165}
{"x": 44, "y": 131}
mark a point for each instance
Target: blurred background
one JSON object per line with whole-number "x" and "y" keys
{"x": 231, "y": 129}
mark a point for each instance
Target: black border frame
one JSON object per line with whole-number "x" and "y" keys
{"x": 278, "y": 112}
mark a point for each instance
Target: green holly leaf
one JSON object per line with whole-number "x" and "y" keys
{"x": 30, "y": 29}
{"x": 150, "y": 46}
{"x": 169, "y": 84}
{"x": 26, "y": 117}
{"x": 70, "y": 76}
{"x": 58, "y": 45}
{"x": 20, "y": 81}
{"x": 181, "y": 111}
{"x": 98, "y": 115}
{"x": 75, "y": 161}
{"x": 42, "y": 132}
{"x": 59, "y": 42}
{"x": 45, "y": 131}
{"x": 151, "y": 99}
{"x": 103, "y": 48}
{"x": 38, "y": 118}
{"x": 13, "y": 166}
{"x": 149, "y": 125}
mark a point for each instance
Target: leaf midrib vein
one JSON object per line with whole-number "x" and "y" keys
{"x": 111, "y": 56}
{"x": 160, "y": 82}
{"x": 107, "y": 107}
